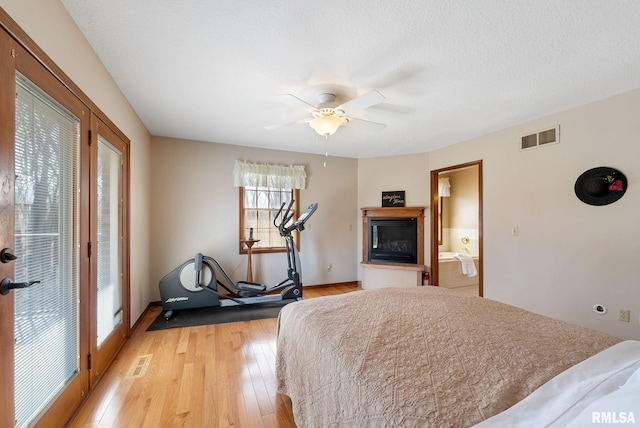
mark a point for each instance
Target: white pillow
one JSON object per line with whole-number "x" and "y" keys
{"x": 634, "y": 378}
{"x": 620, "y": 407}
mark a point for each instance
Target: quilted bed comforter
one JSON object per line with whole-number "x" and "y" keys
{"x": 418, "y": 357}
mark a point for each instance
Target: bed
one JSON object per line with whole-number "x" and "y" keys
{"x": 424, "y": 356}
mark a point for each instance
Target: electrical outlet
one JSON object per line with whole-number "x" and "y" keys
{"x": 624, "y": 315}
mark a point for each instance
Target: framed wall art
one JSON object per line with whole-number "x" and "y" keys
{"x": 393, "y": 199}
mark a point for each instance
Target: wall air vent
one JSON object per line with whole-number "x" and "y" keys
{"x": 540, "y": 138}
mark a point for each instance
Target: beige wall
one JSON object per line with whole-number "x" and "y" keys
{"x": 463, "y": 206}
{"x": 50, "y": 26}
{"x": 195, "y": 209}
{"x": 568, "y": 255}
{"x": 460, "y": 212}
{"x": 377, "y": 175}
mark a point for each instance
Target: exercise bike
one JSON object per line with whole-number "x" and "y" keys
{"x": 194, "y": 284}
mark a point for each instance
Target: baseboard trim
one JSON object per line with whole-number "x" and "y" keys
{"x": 335, "y": 284}
{"x": 147, "y": 309}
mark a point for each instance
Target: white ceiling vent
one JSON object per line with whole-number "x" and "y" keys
{"x": 541, "y": 138}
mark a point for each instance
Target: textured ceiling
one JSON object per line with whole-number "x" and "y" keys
{"x": 450, "y": 70}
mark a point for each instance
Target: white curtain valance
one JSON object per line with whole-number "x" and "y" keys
{"x": 267, "y": 175}
{"x": 444, "y": 187}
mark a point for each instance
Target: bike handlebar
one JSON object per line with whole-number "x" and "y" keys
{"x": 286, "y": 217}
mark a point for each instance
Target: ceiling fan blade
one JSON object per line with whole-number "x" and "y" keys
{"x": 282, "y": 125}
{"x": 377, "y": 126}
{"x": 362, "y": 102}
{"x": 293, "y": 100}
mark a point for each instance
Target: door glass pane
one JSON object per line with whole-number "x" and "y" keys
{"x": 46, "y": 240}
{"x": 109, "y": 242}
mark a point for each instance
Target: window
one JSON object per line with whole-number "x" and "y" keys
{"x": 46, "y": 317}
{"x": 259, "y": 207}
{"x": 109, "y": 248}
{"x": 263, "y": 189}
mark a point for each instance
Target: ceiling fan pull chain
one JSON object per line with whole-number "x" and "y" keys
{"x": 326, "y": 151}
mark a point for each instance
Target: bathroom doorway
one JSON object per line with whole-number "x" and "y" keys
{"x": 456, "y": 228}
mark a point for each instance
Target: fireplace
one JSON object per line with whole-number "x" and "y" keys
{"x": 393, "y": 240}
{"x": 393, "y": 236}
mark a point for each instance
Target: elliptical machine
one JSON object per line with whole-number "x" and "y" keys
{"x": 194, "y": 284}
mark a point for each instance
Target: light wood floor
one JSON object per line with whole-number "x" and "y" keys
{"x": 220, "y": 375}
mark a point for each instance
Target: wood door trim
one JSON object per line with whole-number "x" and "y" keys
{"x": 7, "y": 178}
{"x": 434, "y": 220}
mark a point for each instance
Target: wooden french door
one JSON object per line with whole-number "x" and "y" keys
{"x": 64, "y": 301}
{"x": 42, "y": 227}
{"x": 109, "y": 264}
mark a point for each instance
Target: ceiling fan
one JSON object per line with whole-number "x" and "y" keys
{"x": 325, "y": 119}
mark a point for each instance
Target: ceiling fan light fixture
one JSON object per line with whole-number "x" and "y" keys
{"x": 327, "y": 123}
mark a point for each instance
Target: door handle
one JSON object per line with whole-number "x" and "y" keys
{"x": 7, "y": 255}
{"x": 7, "y": 285}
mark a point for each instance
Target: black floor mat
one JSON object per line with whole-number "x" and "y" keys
{"x": 218, "y": 315}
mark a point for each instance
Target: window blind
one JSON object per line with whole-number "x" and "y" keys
{"x": 109, "y": 276}
{"x": 46, "y": 243}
